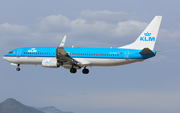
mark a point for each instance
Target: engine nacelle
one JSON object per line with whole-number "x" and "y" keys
{"x": 50, "y": 63}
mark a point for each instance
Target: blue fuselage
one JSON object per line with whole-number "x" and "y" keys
{"x": 75, "y": 52}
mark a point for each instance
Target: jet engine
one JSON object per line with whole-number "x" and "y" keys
{"x": 50, "y": 63}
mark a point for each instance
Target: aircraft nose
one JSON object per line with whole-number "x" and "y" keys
{"x": 5, "y": 58}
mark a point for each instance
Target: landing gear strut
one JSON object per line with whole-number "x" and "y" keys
{"x": 18, "y": 69}
{"x": 85, "y": 71}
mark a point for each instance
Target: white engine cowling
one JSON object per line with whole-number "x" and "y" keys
{"x": 50, "y": 63}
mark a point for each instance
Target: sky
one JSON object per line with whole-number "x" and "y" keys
{"x": 149, "y": 86}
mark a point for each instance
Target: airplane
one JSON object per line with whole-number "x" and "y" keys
{"x": 74, "y": 58}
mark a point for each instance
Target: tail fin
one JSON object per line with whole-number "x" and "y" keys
{"x": 148, "y": 37}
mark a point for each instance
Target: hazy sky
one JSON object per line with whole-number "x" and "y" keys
{"x": 145, "y": 87}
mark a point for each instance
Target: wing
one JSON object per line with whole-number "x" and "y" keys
{"x": 64, "y": 59}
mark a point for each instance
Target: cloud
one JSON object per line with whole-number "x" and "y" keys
{"x": 14, "y": 29}
{"x": 170, "y": 36}
{"x": 129, "y": 28}
{"x": 11, "y": 33}
{"x": 54, "y": 23}
{"x": 95, "y": 31}
{"x": 107, "y": 16}
{"x": 90, "y": 29}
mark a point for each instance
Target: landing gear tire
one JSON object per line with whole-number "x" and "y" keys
{"x": 18, "y": 69}
{"x": 85, "y": 71}
{"x": 73, "y": 70}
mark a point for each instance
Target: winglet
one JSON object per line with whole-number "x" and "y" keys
{"x": 62, "y": 42}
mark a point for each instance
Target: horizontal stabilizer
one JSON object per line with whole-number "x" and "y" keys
{"x": 165, "y": 51}
{"x": 146, "y": 51}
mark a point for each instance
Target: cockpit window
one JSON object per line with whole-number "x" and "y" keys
{"x": 10, "y": 52}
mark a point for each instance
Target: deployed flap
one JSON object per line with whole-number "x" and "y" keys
{"x": 146, "y": 51}
{"x": 62, "y": 42}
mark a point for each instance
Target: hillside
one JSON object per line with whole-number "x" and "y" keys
{"x": 51, "y": 109}
{"x": 12, "y": 106}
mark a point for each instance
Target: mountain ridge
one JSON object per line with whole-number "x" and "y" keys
{"x": 11, "y": 105}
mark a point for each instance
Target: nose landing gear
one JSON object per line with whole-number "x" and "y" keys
{"x": 18, "y": 69}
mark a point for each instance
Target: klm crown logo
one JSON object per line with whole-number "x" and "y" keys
{"x": 147, "y": 37}
{"x": 46, "y": 62}
{"x": 147, "y": 34}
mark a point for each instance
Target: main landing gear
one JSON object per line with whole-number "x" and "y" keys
{"x": 73, "y": 70}
{"x": 18, "y": 69}
{"x": 85, "y": 71}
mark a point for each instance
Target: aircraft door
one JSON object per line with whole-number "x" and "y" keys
{"x": 18, "y": 53}
{"x": 126, "y": 55}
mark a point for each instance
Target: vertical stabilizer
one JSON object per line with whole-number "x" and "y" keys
{"x": 148, "y": 37}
